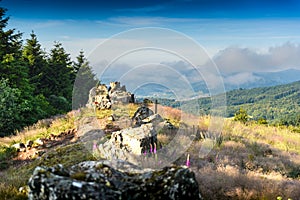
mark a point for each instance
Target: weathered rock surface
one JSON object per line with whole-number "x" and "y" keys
{"x": 102, "y": 97}
{"x": 106, "y": 180}
{"x": 141, "y": 114}
{"x": 128, "y": 144}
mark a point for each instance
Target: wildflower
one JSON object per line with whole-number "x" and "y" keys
{"x": 154, "y": 150}
{"x": 188, "y": 160}
{"x": 95, "y": 146}
{"x": 150, "y": 148}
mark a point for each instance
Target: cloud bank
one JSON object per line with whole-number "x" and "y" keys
{"x": 236, "y": 60}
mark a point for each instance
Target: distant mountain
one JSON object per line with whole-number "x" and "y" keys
{"x": 244, "y": 80}
{"x": 260, "y": 79}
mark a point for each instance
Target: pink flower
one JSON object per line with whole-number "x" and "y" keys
{"x": 154, "y": 150}
{"x": 95, "y": 146}
{"x": 150, "y": 148}
{"x": 188, "y": 160}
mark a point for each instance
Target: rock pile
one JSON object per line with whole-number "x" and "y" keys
{"x": 107, "y": 180}
{"x": 101, "y": 97}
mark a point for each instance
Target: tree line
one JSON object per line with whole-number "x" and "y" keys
{"x": 278, "y": 105}
{"x": 35, "y": 84}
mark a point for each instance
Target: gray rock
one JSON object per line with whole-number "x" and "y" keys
{"x": 20, "y": 147}
{"x": 101, "y": 180}
{"x": 103, "y": 98}
{"x": 128, "y": 144}
{"x": 142, "y": 113}
{"x": 39, "y": 142}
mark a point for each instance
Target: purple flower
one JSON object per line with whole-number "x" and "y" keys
{"x": 95, "y": 146}
{"x": 154, "y": 150}
{"x": 150, "y": 148}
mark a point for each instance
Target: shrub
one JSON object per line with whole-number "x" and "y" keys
{"x": 241, "y": 115}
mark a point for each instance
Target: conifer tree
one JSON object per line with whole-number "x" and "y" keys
{"x": 35, "y": 58}
{"x": 85, "y": 80}
{"x": 59, "y": 78}
{"x": 17, "y": 94}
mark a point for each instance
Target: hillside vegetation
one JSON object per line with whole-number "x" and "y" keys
{"x": 277, "y": 104}
{"x": 252, "y": 161}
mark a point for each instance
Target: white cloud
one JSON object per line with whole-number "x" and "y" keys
{"x": 235, "y": 59}
{"x": 241, "y": 78}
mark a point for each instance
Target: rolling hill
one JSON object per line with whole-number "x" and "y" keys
{"x": 277, "y": 104}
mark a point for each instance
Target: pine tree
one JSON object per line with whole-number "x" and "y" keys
{"x": 17, "y": 94}
{"x": 35, "y": 58}
{"x": 11, "y": 66}
{"x": 85, "y": 80}
{"x": 59, "y": 78}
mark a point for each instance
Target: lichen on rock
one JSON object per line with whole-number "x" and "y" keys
{"x": 111, "y": 180}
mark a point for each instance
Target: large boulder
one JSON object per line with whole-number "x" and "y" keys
{"x": 107, "y": 180}
{"x": 128, "y": 144}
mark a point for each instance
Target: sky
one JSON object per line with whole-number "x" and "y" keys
{"x": 240, "y": 36}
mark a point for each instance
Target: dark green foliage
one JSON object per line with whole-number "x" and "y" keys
{"x": 37, "y": 64}
{"x": 85, "y": 79}
{"x": 60, "y": 75}
{"x": 32, "y": 85}
{"x": 8, "y": 107}
{"x": 59, "y": 104}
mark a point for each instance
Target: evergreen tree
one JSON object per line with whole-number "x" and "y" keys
{"x": 37, "y": 63}
{"x": 21, "y": 107}
{"x": 59, "y": 76}
{"x": 11, "y": 66}
{"x": 85, "y": 80}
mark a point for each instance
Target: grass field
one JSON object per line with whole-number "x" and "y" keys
{"x": 253, "y": 161}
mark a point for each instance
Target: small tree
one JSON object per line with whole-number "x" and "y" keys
{"x": 241, "y": 115}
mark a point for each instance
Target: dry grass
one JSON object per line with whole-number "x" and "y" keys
{"x": 253, "y": 162}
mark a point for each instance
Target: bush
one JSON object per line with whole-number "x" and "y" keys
{"x": 241, "y": 115}
{"x": 262, "y": 121}
{"x": 59, "y": 104}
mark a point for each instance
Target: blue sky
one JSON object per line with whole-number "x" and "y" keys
{"x": 249, "y": 31}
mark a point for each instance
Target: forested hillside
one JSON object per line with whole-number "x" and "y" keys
{"x": 35, "y": 84}
{"x": 277, "y": 104}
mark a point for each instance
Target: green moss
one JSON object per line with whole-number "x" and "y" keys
{"x": 79, "y": 176}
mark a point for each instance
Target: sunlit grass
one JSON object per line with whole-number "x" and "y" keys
{"x": 253, "y": 161}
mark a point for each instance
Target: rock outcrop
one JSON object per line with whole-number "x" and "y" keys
{"x": 124, "y": 173}
{"x": 101, "y": 97}
{"x": 107, "y": 180}
{"x": 140, "y": 114}
{"x": 129, "y": 144}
